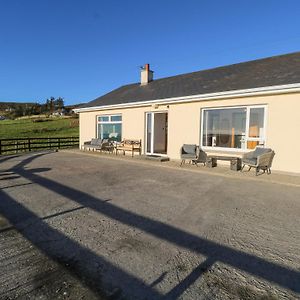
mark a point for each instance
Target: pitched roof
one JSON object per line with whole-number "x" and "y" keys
{"x": 272, "y": 71}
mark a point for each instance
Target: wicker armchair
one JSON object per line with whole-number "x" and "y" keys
{"x": 201, "y": 157}
{"x": 188, "y": 152}
{"x": 260, "y": 159}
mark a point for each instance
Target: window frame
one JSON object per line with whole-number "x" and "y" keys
{"x": 98, "y": 122}
{"x": 262, "y": 140}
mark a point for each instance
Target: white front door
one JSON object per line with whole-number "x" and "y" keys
{"x": 156, "y": 133}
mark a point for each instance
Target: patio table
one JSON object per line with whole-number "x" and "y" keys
{"x": 235, "y": 162}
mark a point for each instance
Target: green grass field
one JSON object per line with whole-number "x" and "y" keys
{"x": 42, "y": 127}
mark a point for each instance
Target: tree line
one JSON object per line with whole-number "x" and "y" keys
{"x": 49, "y": 106}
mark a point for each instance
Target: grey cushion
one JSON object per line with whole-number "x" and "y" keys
{"x": 99, "y": 142}
{"x": 94, "y": 141}
{"x": 259, "y": 151}
{"x": 189, "y": 149}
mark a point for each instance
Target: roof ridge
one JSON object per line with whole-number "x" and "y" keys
{"x": 231, "y": 65}
{"x": 212, "y": 69}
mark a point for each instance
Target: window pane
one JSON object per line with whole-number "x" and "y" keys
{"x": 110, "y": 131}
{"x": 256, "y": 124}
{"x": 224, "y": 128}
{"x": 103, "y": 119}
{"x": 116, "y": 118}
{"x": 256, "y": 127}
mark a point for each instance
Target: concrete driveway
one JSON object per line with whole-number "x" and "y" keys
{"x": 75, "y": 226}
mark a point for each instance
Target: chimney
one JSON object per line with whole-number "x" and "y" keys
{"x": 146, "y": 74}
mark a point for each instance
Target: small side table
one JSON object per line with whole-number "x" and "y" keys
{"x": 235, "y": 162}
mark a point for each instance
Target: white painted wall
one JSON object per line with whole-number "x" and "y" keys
{"x": 283, "y": 125}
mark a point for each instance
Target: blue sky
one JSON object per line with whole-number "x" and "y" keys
{"x": 81, "y": 49}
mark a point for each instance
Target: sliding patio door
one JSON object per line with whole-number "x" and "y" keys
{"x": 156, "y": 133}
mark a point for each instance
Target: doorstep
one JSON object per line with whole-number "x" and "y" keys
{"x": 155, "y": 157}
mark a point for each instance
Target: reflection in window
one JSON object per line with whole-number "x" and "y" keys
{"x": 116, "y": 118}
{"x": 224, "y": 127}
{"x": 110, "y": 127}
{"x": 103, "y": 119}
{"x": 256, "y": 127}
{"x": 227, "y": 128}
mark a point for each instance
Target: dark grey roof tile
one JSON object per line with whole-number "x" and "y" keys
{"x": 276, "y": 70}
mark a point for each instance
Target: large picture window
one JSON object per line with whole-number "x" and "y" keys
{"x": 110, "y": 127}
{"x": 236, "y": 127}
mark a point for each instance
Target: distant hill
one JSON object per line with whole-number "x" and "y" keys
{"x": 4, "y": 105}
{"x": 7, "y": 105}
{"x": 15, "y": 109}
{"x": 12, "y": 110}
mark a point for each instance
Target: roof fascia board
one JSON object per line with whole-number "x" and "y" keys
{"x": 268, "y": 90}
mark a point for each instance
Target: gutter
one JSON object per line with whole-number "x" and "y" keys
{"x": 268, "y": 90}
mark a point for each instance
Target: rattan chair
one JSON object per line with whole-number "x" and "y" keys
{"x": 188, "y": 152}
{"x": 260, "y": 159}
{"x": 201, "y": 157}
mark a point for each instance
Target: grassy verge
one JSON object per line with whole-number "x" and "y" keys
{"x": 40, "y": 127}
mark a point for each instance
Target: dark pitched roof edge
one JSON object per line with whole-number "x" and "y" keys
{"x": 271, "y": 71}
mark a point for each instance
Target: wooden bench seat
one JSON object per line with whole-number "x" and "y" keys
{"x": 130, "y": 145}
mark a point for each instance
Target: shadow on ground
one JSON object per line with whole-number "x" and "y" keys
{"x": 91, "y": 268}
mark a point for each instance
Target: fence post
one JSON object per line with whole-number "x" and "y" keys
{"x": 59, "y": 143}
{"x": 17, "y": 147}
{"x": 29, "y": 146}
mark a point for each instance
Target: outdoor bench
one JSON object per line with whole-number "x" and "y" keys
{"x": 93, "y": 144}
{"x": 98, "y": 144}
{"x": 129, "y": 145}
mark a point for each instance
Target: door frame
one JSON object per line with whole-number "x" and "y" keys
{"x": 152, "y": 113}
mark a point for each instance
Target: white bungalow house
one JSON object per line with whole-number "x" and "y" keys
{"x": 227, "y": 110}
